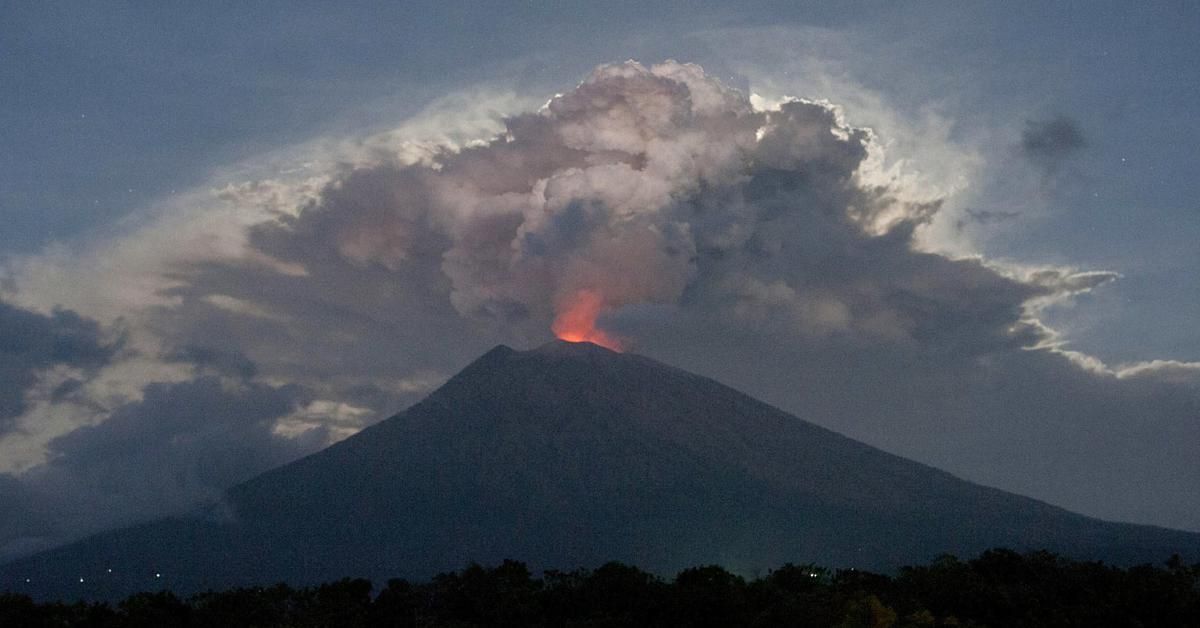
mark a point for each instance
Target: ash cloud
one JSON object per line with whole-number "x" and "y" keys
{"x": 638, "y": 185}
{"x": 754, "y": 245}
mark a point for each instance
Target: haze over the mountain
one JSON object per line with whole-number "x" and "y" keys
{"x": 572, "y": 455}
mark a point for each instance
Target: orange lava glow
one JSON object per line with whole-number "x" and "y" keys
{"x": 576, "y": 320}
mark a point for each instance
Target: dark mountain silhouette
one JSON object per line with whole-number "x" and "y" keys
{"x": 572, "y": 455}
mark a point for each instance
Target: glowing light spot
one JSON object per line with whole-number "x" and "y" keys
{"x": 576, "y": 320}
{"x": 157, "y": 575}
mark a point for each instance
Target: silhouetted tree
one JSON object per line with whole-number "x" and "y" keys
{"x": 999, "y": 588}
{"x": 258, "y": 606}
{"x": 709, "y": 596}
{"x": 399, "y": 605}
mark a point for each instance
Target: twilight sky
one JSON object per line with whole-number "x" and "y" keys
{"x": 964, "y": 233}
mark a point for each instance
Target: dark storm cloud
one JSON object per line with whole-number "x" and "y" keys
{"x": 203, "y": 433}
{"x": 31, "y": 342}
{"x": 1049, "y": 142}
{"x": 176, "y": 448}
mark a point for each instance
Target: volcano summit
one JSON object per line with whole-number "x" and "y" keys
{"x": 573, "y": 455}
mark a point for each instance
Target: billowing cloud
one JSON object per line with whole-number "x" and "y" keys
{"x": 633, "y": 188}
{"x": 32, "y": 343}
{"x": 173, "y": 450}
{"x": 762, "y": 243}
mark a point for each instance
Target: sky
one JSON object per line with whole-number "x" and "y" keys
{"x": 232, "y": 234}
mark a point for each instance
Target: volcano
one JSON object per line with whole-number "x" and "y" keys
{"x": 571, "y": 455}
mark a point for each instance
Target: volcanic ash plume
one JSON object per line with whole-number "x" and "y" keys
{"x": 640, "y": 186}
{"x": 576, "y": 320}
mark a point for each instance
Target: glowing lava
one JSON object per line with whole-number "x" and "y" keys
{"x": 576, "y": 320}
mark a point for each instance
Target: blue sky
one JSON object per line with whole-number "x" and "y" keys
{"x": 158, "y": 157}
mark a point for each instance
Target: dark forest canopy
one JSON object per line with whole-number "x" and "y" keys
{"x": 1000, "y": 588}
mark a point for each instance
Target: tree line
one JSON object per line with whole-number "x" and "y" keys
{"x": 999, "y": 589}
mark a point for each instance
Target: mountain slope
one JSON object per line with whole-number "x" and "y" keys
{"x": 572, "y": 455}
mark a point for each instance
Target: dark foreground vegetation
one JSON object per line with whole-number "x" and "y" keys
{"x": 998, "y": 589}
